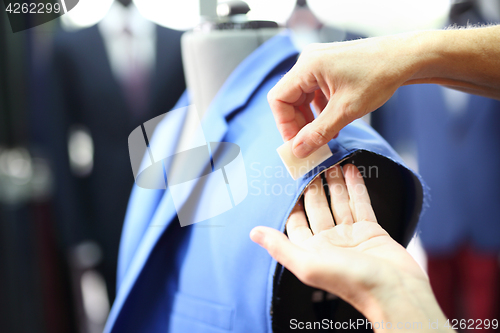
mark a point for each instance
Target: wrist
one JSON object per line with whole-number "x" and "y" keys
{"x": 407, "y": 304}
{"x": 414, "y": 55}
{"x": 425, "y": 55}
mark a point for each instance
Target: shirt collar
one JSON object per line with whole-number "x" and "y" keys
{"x": 119, "y": 17}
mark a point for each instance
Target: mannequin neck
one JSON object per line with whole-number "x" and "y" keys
{"x": 125, "y": 3}
{"x": 209, "y": 58}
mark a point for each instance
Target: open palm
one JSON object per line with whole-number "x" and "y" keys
{"x": 339, "y": 247}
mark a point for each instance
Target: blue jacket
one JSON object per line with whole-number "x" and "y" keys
{"x": 209, "y": 276}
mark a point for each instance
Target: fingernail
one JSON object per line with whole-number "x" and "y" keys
{"x": 257, "y": 236}
{"x": 302, "y": 150}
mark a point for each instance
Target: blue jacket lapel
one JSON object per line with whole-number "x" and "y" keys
{"x": 144, "y": 202}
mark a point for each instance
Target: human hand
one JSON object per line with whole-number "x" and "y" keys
{"x": 347, "y": 253}
{"x": 344, "y": 81}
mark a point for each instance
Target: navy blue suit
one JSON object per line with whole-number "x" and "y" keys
{"x": 209, "y": 276}
{"x": 87, "y": 93}
{"x": 458, "y": 157}
{"x": 456, "y": 138}
{"x": 457, "y": 141}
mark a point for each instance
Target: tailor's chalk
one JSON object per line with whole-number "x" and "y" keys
{"x": 297, "y": 167}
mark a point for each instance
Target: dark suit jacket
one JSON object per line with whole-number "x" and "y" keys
{"x": 86, "y": 92}
{"x": 458, "y": 156}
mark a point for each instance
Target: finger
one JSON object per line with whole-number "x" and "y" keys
{"x": 317, "y": 208}
{"x": 304, "y": 99}
{"x": 306, "y": 111}
{"x": 300, "y": 120}
{"x": 297, "y": 227}
{"x": 283, "y": 99}
{"x": 320, "y": 131}
{"x": 361, "y": 207}
{"x": 320, "y": 101}
{"x": 303, "y": 115}
{"x": 280, "y": 248}
{"x": 339, "y": 197}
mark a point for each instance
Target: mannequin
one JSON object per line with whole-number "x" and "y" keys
{"x": 213, "y": 50}
{"x": 210, "y": 53}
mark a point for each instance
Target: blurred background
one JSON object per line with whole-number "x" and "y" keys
{"x": 72, "y": 90}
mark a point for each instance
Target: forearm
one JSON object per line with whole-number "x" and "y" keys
{"x": 465, "y": 59}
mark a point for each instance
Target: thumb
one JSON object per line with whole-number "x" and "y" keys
{"x": 321, "y": 130}
{"x": 279, "y": 247}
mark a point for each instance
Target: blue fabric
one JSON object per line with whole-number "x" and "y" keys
{"x": 210, "y": 277}
{"x": 458, "y": 155}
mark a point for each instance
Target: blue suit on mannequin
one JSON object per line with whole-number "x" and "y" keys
{"x": 209, "y": 276}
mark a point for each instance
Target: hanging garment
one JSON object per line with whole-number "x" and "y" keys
{"x": 209, "y": 276}
{"x": 456, "y": 139}
{"x": 90, "y": 92}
